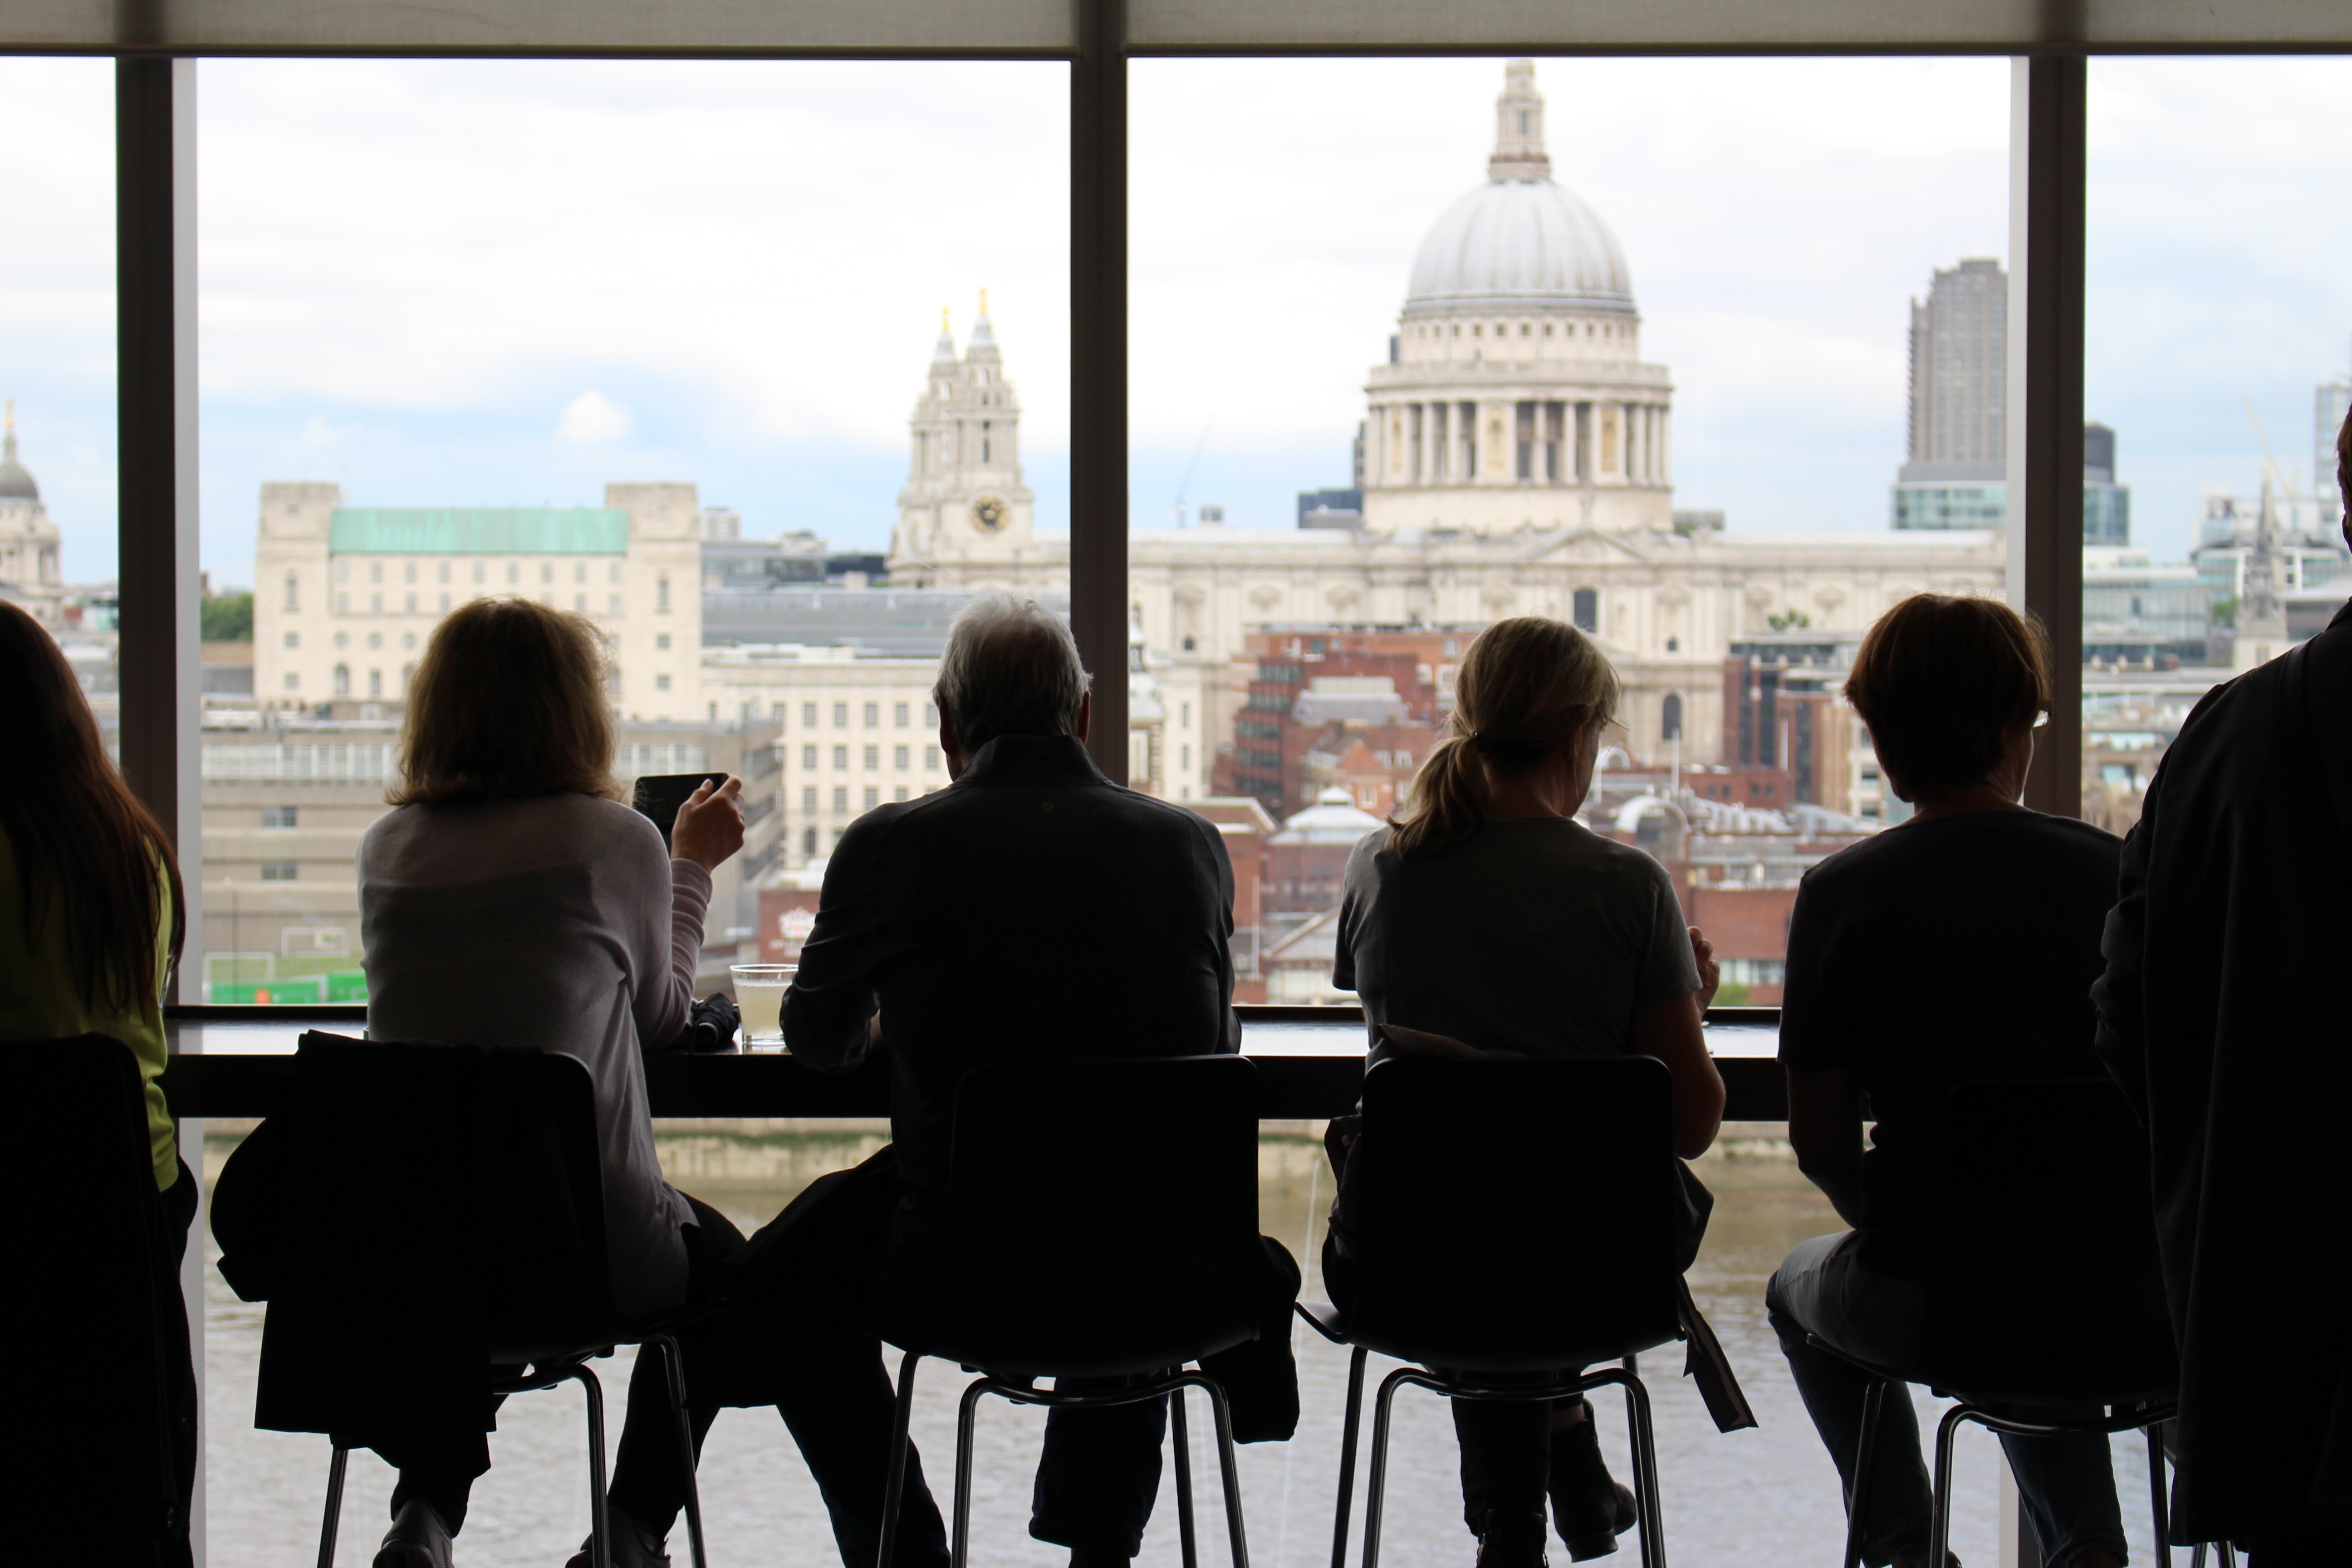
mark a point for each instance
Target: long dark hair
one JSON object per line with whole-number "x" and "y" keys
{"x": 85, "y": 850}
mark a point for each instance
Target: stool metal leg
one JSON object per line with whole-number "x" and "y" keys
{"x": 2156, "y": 1492}
{"x": 600, "y": 1524}
{"x": 1939, "y": 1517}
{"x": 967, "y": 1417}
{"x": 334, "y": 1506}
{"x": 1348, "y": 1457}
{"x": 1181, "y": 1439}
{"x": 1230, "y": 1468}
{"x": 1376, "y": 1485}
{"x": 674, "y": 1369}
{"x": 1874, "y": 1400}
{"x": 1648, "y": 1505}
{"x": 894, "y": 1488}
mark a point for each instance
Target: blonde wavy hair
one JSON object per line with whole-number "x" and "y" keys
{"x": 508, "y": 701}
{"x": 1526, "y": 685}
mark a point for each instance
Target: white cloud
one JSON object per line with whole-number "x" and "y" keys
{"x": 592, "y": 419}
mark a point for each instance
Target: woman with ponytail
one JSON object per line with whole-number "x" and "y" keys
{"x": 1485, "y": 914}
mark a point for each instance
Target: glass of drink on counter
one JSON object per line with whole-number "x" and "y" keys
{"x": 759, "y": 996}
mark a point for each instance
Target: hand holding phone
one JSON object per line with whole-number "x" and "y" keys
{"x": 709, "y": 825}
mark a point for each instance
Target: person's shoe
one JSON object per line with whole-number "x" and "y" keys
{"x": 1512, "y": 1540}
{"x": 1589, "y": 1508}
{"x": 418, "y": 1539}
{"x": 633, "y": 1546}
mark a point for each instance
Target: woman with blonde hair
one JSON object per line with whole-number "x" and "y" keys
{"x": 512, "y": 897}
{"x": 1487, "y": 914}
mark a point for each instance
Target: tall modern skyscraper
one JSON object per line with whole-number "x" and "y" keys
{"x": 2106, "y": 505}
{"x": 1957, "y": 474}
{"x": 1954, "y": 477}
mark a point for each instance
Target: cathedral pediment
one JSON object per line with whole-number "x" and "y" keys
{"x": 1588, "y": 544}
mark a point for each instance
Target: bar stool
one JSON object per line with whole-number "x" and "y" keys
{"x": 489, "y": 1153}
{"x": 1124, "y": 1246}
{"x": 105, "y": 1442}
{"x": 2043, "y": 1287}
{"x": 1494, "y": 1306}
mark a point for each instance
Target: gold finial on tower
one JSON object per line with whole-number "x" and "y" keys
{"x": 12, "y": 414}
{"x": 943, "y": 318}
{"x": 984, "y": 302}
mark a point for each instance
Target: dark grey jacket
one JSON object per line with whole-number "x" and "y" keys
{"x": 2222, "y": 1016}
{"x": 1031, "y": 911}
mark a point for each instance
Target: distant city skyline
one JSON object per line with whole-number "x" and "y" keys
{"x": 473, "y": 283}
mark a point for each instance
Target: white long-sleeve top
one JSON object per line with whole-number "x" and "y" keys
{"x": 558, "y": 923}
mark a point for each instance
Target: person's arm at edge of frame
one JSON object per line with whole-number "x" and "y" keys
{"x": 829, "y": 1019}
{"x": 1671, "y": 1032}
{"x": 2119, "y": 994}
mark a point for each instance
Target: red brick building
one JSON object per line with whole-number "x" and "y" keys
{"x": 1314, "y": 693}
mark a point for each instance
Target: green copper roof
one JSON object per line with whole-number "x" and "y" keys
{"x": 478, "y": 530}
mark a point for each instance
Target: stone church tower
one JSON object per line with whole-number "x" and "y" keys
{"x": 964, "y": 498}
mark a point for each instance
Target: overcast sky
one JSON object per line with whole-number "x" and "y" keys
{"x": 477, "y": 283}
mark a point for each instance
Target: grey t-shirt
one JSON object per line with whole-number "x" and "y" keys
{"x": 1534, "y": 934}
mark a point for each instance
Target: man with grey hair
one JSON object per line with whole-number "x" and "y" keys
{"x": 1033, "y": 908}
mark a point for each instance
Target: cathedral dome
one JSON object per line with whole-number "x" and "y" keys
{"x": 16, "y": 479}
{"x": 1520, "y": 239}
{"x": 1520, "y": 242}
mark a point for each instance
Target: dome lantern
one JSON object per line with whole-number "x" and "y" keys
{"x": 1519, "y": 128}
{"x": 16, "y": 480}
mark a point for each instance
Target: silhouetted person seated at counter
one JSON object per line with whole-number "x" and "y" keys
{"x": 2223, "y": 1014}
{"x": 1489, "y": 916}
{"x": 513, "y": 899}
{"x": 1958, "y": 944}
{"x": 91, "y": 922}
{"x": 1032, "y": 909}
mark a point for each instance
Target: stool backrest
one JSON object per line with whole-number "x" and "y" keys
{"x": 2043, "y": 1279}
{"x": 1104, "y": 1213}
{"x": 420, "y": 1206}
{"x": 93, "y": 1269}
{"x": 1512, "y": 1215}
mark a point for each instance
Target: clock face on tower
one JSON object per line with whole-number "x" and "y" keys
{"x": 988, "y": 514}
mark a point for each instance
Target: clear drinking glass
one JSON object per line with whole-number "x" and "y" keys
{"x": 760, "y": 995}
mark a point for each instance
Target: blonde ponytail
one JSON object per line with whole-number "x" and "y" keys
{"x": 1526, "y": 685}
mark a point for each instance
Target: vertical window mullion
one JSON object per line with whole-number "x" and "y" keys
{"x": 2048, "y": 176}
{"x": 156, "y": 541}
{"x": 1098, "y": 412}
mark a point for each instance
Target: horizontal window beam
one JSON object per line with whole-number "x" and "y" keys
{"x": 1033, "y": 29}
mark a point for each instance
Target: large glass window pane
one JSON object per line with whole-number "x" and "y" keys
{"x": 56, "y": 315}
{"x": 638, "y": 340}
{"x": 2217, "y": 318}
{"x": 1665, "y": 349}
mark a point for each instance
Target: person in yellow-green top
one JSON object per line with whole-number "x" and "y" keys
{"x": 91, "y": 915}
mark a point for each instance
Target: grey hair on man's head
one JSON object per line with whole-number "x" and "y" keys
{"x": 1011, "y": 669}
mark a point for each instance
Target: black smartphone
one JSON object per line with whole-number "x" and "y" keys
{"x": 659, "y": 796}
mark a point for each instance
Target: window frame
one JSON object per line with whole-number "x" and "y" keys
{"x": 157, "y": 56}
